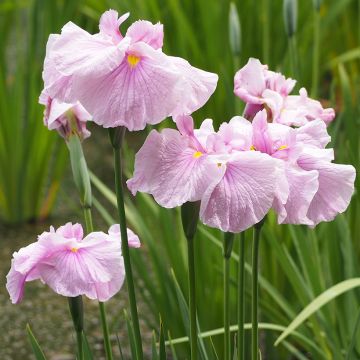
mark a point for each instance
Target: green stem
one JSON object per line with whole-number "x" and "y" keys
{"x": 228, "y": 244}
{"x": 192, "y": 299}
{"x": 116, "y": 143}
{"x": 241, "y": 297}
{"x": 79, "y": 346}
{"x": 88, "y": 220}
{"x": 315, "y": 64}
{"x": 227, "y": 344}
{"x": 105, "y": 328}
{"x": 104, "y": 324}
{"x": 77, "y": 315}
{"x": 255, "y": 301}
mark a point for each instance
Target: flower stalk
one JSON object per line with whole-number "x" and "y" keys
{"x": 189, "y": 217}
{"x": 116, "y": 138}
{"x": 77, "y": 315}
{"x": 241, "y": 298}
{"x": 82, "y": 181}
{"x": 255, "y": 288}
{"x": 228, "y": 245}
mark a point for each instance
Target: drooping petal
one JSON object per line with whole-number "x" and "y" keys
{"x": 244, "y": 194}
{"x": 56, "y": 84}
{"x": 133, "y": 94}
{"x": 336, "y": 186}
{"x": 194, "y": 87}
{"x": 303, "y": 186}
{"x": 170, "y": 170}
{"x": 147, "y": 32}
{"x": 249, "y": 82}
{"x": 23, "y": 264}
{"x": 15, "y": 282}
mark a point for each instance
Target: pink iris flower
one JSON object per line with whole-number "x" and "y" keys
{"x": 123, "y": 80}
{"x": 318, "y": 188}
{"x": 65, "y": 118}
{"x": 71, "y": 264}
{"x": 236, "y": 186}
{"x": 260, "y": 88}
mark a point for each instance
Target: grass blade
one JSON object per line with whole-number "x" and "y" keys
{"x": 39, "y": 355}
{"x": 317, "y": 303}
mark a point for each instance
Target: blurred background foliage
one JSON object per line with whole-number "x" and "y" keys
{"x": 297, "y": 263}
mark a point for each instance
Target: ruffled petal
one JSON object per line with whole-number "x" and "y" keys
{"x": 303, "y": 186}
{"x": 132, "y": 95}
{"x": 300, "y": 109}
{"x": 336, "y": 186}
{"x": 244, "y": 194}
{"x": 235, "y": 135}
{"x": 78, "y": 270}
{"x": 313, "y": 133}
{"x": 170, "y": 170}
{"x": 133, "y": 239}
{"x": 147, "y": 32}
{"x": 206, "y": 129}
{"x": 110, "y": 23}
{"x": 279, "y": 83}
{"x": 249, "y": 82}
{"x": 76, "y": 52}
{"x": 71, "y": 231}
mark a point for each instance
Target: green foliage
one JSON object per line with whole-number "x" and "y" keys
{"x": 31, "y": 158}
{"x": 38, "y": 353}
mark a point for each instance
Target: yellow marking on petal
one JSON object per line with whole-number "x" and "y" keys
{"x": 74, "y": 249}
{"x": 197, "y": 154}
{"x": 219, "y": 164}
{"x": 133, "y": 60}
{"x": 282, "y": 147}
{"x": 253, "y": 148}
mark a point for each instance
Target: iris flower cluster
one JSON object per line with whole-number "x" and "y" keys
{"x": 251, "y": 164}
{"x": 274, "y": 156}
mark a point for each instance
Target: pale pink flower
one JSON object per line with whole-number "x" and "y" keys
{"x": 236, "y": 187}
{"x": 123, "y": 80}
{"x": 318, "y": 189}
{"x": 133, "y": 239}
{"x": 260, "y": 88}
{"x": 299, "y": 109}
{"x": 70, "y": 264}
{"x": 65, "y": 118}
